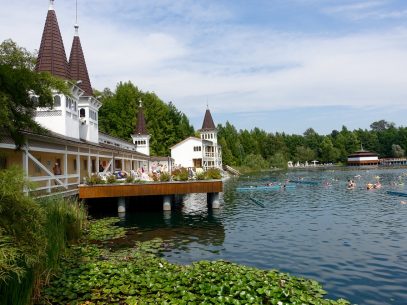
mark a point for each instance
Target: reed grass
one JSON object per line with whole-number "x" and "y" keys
{"x": 33, "y": 237}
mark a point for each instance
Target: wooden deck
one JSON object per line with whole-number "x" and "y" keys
{"x": 149, "y": 189}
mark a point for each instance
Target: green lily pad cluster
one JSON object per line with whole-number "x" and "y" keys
{"x": 137, "y": 275}
{"x": 105, "y": 229}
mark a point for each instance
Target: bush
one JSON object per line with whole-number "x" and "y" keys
{"x": 111, "y": 179}
{"x": 200, "y": 176}
{"x": 33, "y": 236}
{"x": 165, "y": 177}
{"x": 94, "y": 179}
{"x": 180, "y": 174}
{"x": 213, "y": 173}
{"x": 129, "y": 179}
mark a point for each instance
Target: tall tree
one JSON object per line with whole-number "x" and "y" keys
{"x": 165, "y": 123}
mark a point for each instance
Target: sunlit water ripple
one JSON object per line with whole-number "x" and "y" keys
{"x": 352, "y": 241}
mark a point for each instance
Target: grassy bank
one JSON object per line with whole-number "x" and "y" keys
{"x": 122, "y": 271}
{"x": 34, "y": 235}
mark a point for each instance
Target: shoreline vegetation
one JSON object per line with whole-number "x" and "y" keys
{"x": 34, "y": 235}
{"x": 51, "y": 254}
{"x": 112, "y": 269}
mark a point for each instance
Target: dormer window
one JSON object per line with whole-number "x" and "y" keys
{"x": 57, "y": 101}
{"x": 82, "y": 113}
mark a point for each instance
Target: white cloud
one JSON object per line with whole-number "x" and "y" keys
{"x": 235, "y": 67}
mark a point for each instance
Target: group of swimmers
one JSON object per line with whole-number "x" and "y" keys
{"x": 369, "y": 186}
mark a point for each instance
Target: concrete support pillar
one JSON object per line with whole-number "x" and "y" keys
{"x": 213, "y": 200}
{"x": 167, "y": 217}
{"x": 167, "y": 203}
{"x": 121, "y": 205}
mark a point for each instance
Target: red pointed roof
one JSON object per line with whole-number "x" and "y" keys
{"x": 141, "y": 127}
{"x": 208, "y": 123}
{"x": 52, "y": 56}
{"x": 77, "y": 65}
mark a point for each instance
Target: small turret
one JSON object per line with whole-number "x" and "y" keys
{"x": 141, "y": 138}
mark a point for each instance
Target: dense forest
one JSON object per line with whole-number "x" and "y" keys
{"x": 165, "y": 123}
{"x": 259, "y": 149}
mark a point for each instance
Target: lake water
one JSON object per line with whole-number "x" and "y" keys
{"x": 354, "y": 242}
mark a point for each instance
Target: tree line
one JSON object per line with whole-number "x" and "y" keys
{"x": 259, "y": 149}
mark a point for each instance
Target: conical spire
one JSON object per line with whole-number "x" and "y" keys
{"x": 141, "y": 128}
{"x": 52, "y": 56}
{"x": 77, "y": 65}
{"x": 208, "y": 123}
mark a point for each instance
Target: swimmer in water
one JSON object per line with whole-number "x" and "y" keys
{"x": 351, "y": 184}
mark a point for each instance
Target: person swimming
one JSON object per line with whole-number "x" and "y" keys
{"x": 369, "y": 186}
{"x": 351, "y": 184}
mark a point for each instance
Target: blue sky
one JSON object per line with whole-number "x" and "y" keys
{"x": 280, "y": 65}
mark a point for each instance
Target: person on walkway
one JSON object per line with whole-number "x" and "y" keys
{"x": 57, "y": 171}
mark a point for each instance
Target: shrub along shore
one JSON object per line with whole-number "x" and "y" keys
{"x": 34, "y": 235}
{"x": 50, "y": 254}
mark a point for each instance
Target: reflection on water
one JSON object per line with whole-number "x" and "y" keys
{"x": 352, "y": 241}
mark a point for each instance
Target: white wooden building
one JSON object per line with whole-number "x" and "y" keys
{"x": 203, "y": 152}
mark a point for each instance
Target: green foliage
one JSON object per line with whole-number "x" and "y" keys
{"x": 136, "y": 275}
{"x": 17, "y": 82}
{"x": 111, "y": 179}
{"x": 180, "y": 174}
{"x": 213, "y": 173}
{"x": 278, "y": 160}
{"x": 104, "y": 229}
{"x": 397, "y": 151}
{"x": 129, "y": 179}
{"x": 94, "y": 179}
{"x": 200, "y": 175}
{"x": 33, "y": 236}
{"x": 246, "y": 148}
{"x": 255, "y": 162}
{"x": 166, "y": 125}
{"x": 165, "y": 177}
{"x": 66, "y": 219}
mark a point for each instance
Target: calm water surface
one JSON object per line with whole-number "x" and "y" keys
{"x": 354, "y": 242}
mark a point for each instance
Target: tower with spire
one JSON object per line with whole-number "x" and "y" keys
{"x": 212, "y": 154}
{"x": 88, "y": 105}
{"x": 141, "y": 138}
{"x": 62, "y": 118}
{"x": 74, "y": 116}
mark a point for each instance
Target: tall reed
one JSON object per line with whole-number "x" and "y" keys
{"x": 33, "y": 237}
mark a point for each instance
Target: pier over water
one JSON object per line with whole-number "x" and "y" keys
{"x": 164, "y": 189}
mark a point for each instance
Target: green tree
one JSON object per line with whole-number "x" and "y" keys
{"x": 328, "y": 152}
{"x": 22, "y": 90}
{"x": 165, "y": 123}
{"x": 381, "y": 125}
{"x": 305, "y": 154}
{"x": 397, "y": 151}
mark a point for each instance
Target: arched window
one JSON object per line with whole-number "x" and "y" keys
{"x": 57, "y": 101}
{"x": 82, "y": 112}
